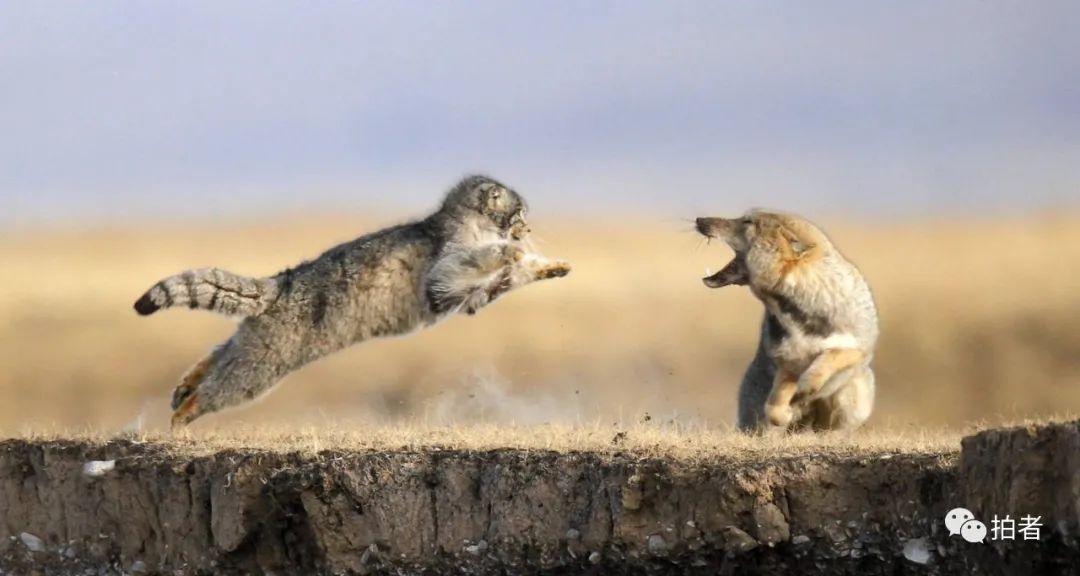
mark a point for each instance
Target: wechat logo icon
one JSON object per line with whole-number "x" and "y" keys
{"x": 961, "y": 521}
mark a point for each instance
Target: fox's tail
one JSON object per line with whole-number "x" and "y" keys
{"x": 210, "y": 289}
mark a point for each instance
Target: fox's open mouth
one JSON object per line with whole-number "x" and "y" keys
{"x": 734, "y": 273}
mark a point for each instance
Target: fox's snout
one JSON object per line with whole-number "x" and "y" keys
{"x": 710, "y": 227}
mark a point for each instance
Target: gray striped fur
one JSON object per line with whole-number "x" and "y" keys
{"x": 210, "y": 289}
{"x": 473, "y": 249}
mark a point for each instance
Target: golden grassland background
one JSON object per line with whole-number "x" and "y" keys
{"x": 980, "y": 323}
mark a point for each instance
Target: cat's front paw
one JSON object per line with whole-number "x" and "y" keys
{"x": 556, "y": 269}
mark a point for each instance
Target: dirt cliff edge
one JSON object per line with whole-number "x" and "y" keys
{"x": 67, "y": 507}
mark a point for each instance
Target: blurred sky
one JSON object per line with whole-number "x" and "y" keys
{"x": 120, "y": 109}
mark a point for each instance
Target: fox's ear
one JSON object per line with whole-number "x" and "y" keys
{"x": 799, "y": 247}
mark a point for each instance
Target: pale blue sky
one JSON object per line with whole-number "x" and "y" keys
{"x": 112, "y": 109}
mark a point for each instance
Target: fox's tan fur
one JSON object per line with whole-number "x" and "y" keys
{"x": 812, "y": 367}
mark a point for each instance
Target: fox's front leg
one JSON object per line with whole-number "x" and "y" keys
{"x": 778, "y": 409}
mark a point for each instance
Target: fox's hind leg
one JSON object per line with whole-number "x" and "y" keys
{"x": 851, "y": 405}
{"x": 830, "y": 364}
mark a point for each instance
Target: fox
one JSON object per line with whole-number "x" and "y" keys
{"x": 473, "y": 249}
{"x": 811, "y": 370}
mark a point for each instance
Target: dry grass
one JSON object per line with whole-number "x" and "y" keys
{"x": 980, "y": 323}
{"x": 677, "y": 442}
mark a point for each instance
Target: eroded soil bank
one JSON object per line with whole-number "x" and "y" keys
{"x": 521, "y": 512}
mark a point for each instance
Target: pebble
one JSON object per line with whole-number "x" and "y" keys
{"x": 32, "y": 543}
{"x": 98, "y": 468}
{"x": 738, "y": 541}
{"x": 657, "y": 545}
{"x": 917, "y": 551}
{"x": 370, "y": 553}
{"x": 632, "y": 493}
{"x": 477, "y": 549}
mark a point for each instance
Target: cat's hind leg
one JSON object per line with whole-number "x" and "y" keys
{"x": 185, "y": 397}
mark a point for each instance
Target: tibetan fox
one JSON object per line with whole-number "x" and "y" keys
{"x": 812, "y": 366}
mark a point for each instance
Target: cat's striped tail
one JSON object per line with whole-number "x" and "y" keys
{"x": 210, "y": 289}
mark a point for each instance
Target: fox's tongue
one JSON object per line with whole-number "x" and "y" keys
{"x": 733, "y": 273}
